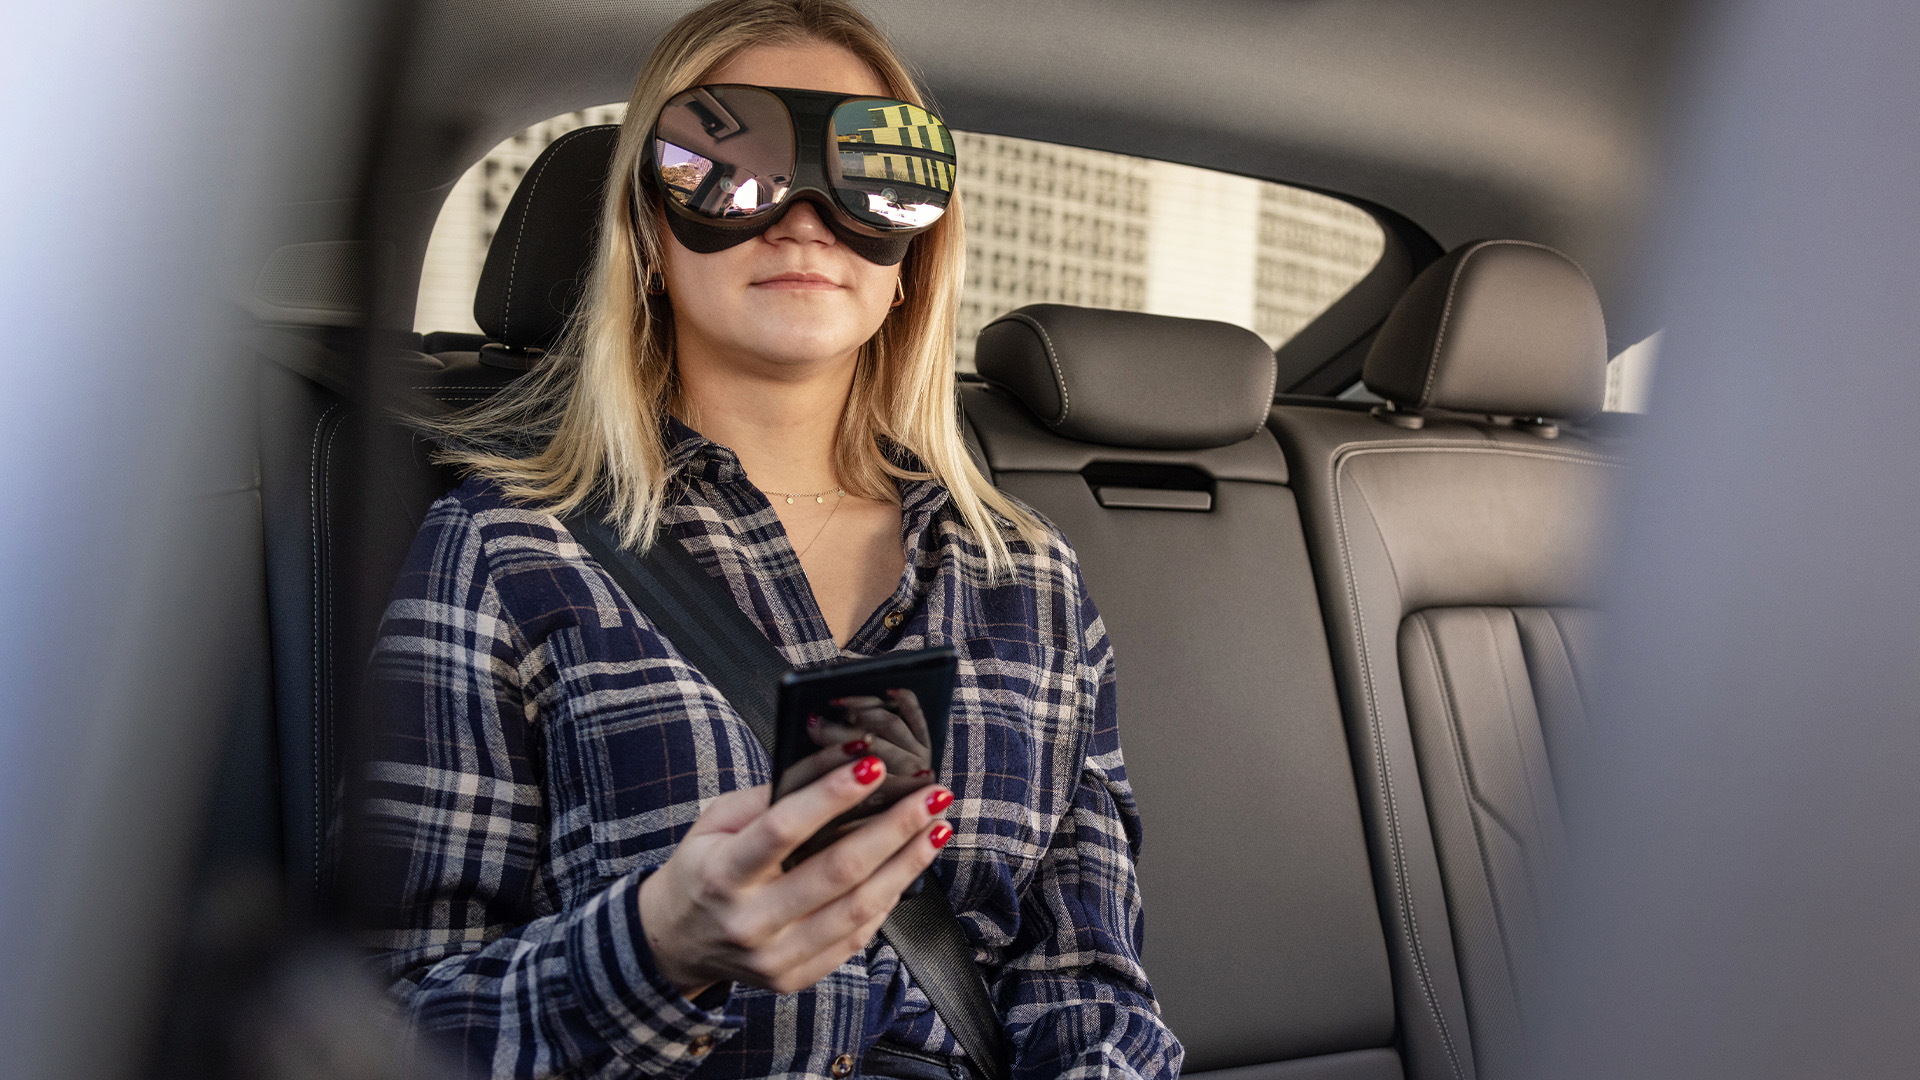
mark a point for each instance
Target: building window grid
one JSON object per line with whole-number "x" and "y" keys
{"x": 1048, "y": 224}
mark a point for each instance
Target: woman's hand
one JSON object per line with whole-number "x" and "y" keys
{"x": 896, "y": 730}
{"x": 722, "y": 909}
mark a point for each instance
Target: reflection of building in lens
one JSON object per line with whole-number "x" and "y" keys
{"x": 895, "y": 125}
{"x": 892, "y": 125}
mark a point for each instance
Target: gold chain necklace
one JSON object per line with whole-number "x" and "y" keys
{"x": 802, "y": 553}
{"x": 840, "y": 496}
{"x": 816, "y": 496}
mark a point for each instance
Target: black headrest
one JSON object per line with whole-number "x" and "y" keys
{"x": 537, "y": 263}
{"x": 1128, "y": 379}
{"x": 1497, "y": 326}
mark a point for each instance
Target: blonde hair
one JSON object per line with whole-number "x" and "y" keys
{"x": 588, "y": 426}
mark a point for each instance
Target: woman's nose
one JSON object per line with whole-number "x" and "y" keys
{"x": 801, "y": 223}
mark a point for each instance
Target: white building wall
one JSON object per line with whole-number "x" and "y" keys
{"x": 455, "y": 253}
{"x": 1630, "y": 376}
{"x": 1202, "y": 243}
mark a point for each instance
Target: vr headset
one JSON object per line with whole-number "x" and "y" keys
{"x": 729, "y": 159}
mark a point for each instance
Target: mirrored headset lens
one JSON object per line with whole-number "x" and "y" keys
{"x": 896, "y": 163}
{"x": 724, "y": 151}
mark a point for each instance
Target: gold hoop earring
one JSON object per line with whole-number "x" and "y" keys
{"x": 899, "y": 293}
{"x": 656, "y": 283}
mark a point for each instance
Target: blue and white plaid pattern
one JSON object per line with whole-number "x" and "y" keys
{"x": 540, "y": 749}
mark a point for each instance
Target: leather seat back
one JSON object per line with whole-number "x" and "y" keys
{"x": 1454, "y": 533}
{"x": 345, "y": 487}
{"x": 1142, "y": 438}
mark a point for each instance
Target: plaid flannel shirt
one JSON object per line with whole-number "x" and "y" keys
{"x": 540, "y": 748}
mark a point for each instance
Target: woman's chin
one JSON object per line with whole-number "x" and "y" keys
{"x": 799, "y": 354}
{"x": 801, "y": 343}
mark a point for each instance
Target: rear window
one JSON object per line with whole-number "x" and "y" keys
{"x": 1630, "y": 376}
{"x": 1045, "y": 223}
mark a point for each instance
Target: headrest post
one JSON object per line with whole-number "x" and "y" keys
{"x": 511, "y": 358}
{"x": 1387, "y": 412}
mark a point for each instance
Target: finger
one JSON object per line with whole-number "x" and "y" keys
{"x": 731, "y": 811}
{"x": 820, "y": 763}
{"x": 814, "y": 946}
{"x": 886, "y": 724}
{"x": 849, "y": 861}
{"x": 908, "y": 758}
{"x": 895, "y": 787}
{"x": 756, "y": 851}
{"x": 848, "y": 923}
{"x": 905, "y": 773}
{"x": 907, "y": 704}
{"x": 829, "y": 724}
{"x": 858, "y": 701}
{"x": 900, "y": 760}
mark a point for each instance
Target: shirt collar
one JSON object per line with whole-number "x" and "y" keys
{"x": 920, "y": 500}
{"x": 694, "y": 455}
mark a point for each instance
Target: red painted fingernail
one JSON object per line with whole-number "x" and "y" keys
{"x": 857, "y": 746}
{"x": 867, "y": 770}
{"x": 941, "y": 833}
{"x": 813, "y": 719}
{"x": 939, "y": 801}
{"x": 923, "y": 773}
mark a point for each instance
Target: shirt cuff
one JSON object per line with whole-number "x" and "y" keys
{"x": 642, "y": 1015}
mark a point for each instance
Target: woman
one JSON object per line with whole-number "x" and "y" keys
{"x": 574, "y": 866}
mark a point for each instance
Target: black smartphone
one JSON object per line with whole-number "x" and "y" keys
{"x": 896, "y": 704}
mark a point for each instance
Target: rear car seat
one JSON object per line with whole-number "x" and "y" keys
{"x": 1453, "y": 531}
{"x": 335, "y": 543}
{"x": 1265, "y": 937}
{"x": 1143, "y": 438}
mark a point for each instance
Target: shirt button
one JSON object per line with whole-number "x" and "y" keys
{"x": 894, "y": 619}
{"x": 842, "y": 1067}
{"x": 700, "y": 1045}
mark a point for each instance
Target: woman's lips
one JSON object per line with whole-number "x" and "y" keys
{"x": 798, "y": 280}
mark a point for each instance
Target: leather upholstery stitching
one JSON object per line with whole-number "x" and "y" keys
{"x": 1583, "y": 457}
{"x": 1470, "y": 787}
{"x": 1446, "y": 311}
{"x": 1527, "y": 682}
{"x": 323, "y": 621}
{"x": 1474, "y": 793}
{"x": 1367, "y": 504}
{"x": 1273, "y": 391}
{"x": 1059, "y": 377}
{"x": 1384, "y": 775}
{"x": 533, "y": 190}
{"x": 1573, "y": 665}
{"x": 1403, "y": 905}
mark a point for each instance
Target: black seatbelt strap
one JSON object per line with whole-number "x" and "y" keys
{"x": 702, "y": 620}
{"x": 684, "y": 602}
